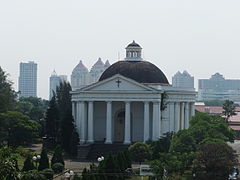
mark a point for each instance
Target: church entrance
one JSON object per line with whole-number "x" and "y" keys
{"x": 119, "y": 126}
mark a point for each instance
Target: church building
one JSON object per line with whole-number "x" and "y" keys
{"x": 132, "y": 101}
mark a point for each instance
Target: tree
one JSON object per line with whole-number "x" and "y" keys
{"x": 57, "y": 157}
{"x": 215, "y": 160}
{"x": 7, "y": 94}
{"x": 33, "y": 107}
{"x": 183, "y": 142}
{"x": 8, "y": 165}
{"x": 229, "y": 109}
{"x": 67, "y": 128}
{"x": 28, "y": 164}
{"x": 18, "y": 129}
{"x": 74, "y": 142}
{"x": 44, "y": 161}
{"x": 52, "y": 120}
{"x": 139, "y": 152}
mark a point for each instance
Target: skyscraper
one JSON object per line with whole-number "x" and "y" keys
{"x": 183, "y": 80}
{"x": 27, "y": 83}
{"x": 54, "y": 81}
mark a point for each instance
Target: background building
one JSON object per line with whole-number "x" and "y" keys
{"x": 81, "y": 77}
{"x": 219, "y": 88}
{"x": 183, "y": 80}
{"x": 54, "y": 81}
{"x": 27, "y": 83}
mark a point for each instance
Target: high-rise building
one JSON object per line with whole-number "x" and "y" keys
{"x": 27, "y": 83}
{"x": 81, "y": 77}
{"x": 54, "y": 82}
{"x": 96, "y": 71}
{"x": 219, "y": 88}
{"x": 183, "y": 80}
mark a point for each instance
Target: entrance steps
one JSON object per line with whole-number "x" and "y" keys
{"x": 98, "y": 149}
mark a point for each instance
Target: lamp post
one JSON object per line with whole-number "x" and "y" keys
{"x": 100, "y": 159}
{"x": 36, "y": 159}
{"x": 69, "y": 174}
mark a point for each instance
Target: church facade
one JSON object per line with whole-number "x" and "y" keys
{"x": 132, "y": 101}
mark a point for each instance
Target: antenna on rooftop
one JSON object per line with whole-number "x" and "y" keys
{"x": 118, "y": 56}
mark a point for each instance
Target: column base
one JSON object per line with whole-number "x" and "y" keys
{"x": 90, "y": 141}
{"x": 108, "y": 142}
{"x": 82, "y": 141}
{"x": 127, "y": 142}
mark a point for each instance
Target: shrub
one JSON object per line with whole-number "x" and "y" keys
{"x": 57, "y": 157}
{"x": 48, "y": 173}
{"x": 28, "y": 164}
{"x": 57, "y": 168}
{"x": 33, "y": 175}
{"x": 44, "y": 161}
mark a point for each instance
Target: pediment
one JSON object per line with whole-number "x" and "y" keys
{"x": 117, "y": 83}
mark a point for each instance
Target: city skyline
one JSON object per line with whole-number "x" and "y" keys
{"x": 200, "y": 37}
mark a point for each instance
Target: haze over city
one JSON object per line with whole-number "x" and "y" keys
{"x": 200, "y": 37}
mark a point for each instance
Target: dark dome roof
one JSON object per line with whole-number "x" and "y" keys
{"x": 140, "y": 71}
{"x": 133, "y": 44}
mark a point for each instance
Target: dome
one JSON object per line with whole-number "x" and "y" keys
{"x": 140, "y": 71}
{"x": 133, "y": 44}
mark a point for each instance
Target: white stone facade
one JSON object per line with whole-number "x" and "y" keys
{"x": 97, "y": 110}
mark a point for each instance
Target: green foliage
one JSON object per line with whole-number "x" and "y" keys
{"x": 160, "y": 146}
{"x": 33, "y": 107}
{"x": 48, "y": 173}
{"x": 214, "y": 161}
{"x": 128, "y": 158}
{"x": 28, "y": 164}
{"x": 139, "y": 152}
{"x": 52, "y": 119}
{"x": 44, "y": 161}
{"x": 74, "y": 142}
{"x": 59, "y": 120}
{"x": 187, "y": 145}
{"x": 229, "y": 109}
{"x": 18, "y": 129}
{"x": 58, "y": 168}
{"x": 33, "y": 175}
{"x": 7, "y": 94}
{"x": 183, "y": 142}
{"x": 204, "y": 126}
{"x": 8, "y": 165}
{"x": 57, "y": 157}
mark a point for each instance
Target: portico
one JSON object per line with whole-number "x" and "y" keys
{"x": 137, "y": 116}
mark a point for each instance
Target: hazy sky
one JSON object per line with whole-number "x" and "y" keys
{"x": 202, "y": 37}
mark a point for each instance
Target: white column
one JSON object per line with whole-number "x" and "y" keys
{"x": 146, "y": 122}
{"x": 171, "y": 116}
{"x": 187, "y": 115}
{"x": 90, "y": 122}
{"x": 82, "y": 122}
{"x": 192, "y": 109}
{"x": 74, "y": 111}
{"x": 182, "y": 116}
{"x": 127, "y": 136}
{"x": 109, "y": 123}
{"x": 165, "y": 120}
{"x": 78, "y": 117}
{"x": 177, "y": 116}
{"x": 156, "y": 121}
